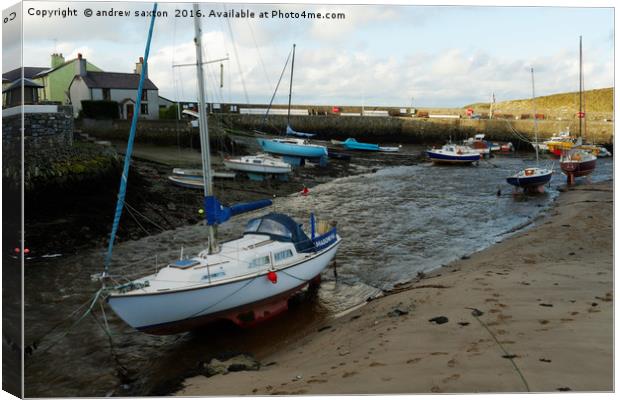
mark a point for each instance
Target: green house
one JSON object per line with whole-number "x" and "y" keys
{"x": 58, "y": 77}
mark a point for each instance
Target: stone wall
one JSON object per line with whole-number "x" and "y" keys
{"x": 43, "y": 131}
{"x": 47, "y": 134}
{"x": 418, "y": 130}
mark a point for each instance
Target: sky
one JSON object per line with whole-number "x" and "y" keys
{"x": 391, "y": 55}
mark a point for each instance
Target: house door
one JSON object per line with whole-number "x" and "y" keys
{"x": 130, "y": 111}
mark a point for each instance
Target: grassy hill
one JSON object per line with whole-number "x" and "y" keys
{"x": 597, "y": 101}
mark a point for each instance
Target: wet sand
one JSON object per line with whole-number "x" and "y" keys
{"x": 546, "y": 323}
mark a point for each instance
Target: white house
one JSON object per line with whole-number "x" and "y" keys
{"x": 115, "y": 86}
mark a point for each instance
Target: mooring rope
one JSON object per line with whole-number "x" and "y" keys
{"x": 508, "y": 355}
{"x": 95, "y": 297}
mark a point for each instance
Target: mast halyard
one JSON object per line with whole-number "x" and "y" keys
{"x": 290, "y": 90}
{"x": 203, "y": 127}
{"x": 535, "y": 119}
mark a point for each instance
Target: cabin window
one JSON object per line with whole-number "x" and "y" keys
{"x": 283, "y": 255}
{"x": 259, "y": 262}
{"x": 213, "y": 275}
{"x": 274, "y": 228}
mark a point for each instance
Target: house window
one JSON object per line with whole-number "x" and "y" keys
{"x": 283, "y": 255}
{"x": 106, "y": 94}
{"x": 144, "y": 109}
{"x": 144, "y": 95}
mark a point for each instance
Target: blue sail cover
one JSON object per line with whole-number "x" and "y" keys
{"x": 291, "y": 131}
{"x": 216, "y": 213}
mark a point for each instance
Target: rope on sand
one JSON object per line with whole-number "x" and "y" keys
{"x": 506, "y": 354}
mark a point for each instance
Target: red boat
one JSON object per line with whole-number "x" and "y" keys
{"x": 575, "y": 163}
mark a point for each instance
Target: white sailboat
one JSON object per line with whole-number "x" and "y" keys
{"x": 245, "y": 280}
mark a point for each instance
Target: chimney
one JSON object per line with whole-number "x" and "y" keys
{"x": 80, "y": 66}
{"x": 57, "y": 59}
{"x": 138, "y": 69}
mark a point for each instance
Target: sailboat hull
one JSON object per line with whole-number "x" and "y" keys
{"x": 578, "y": 168}
{"x": 529, "y": 182}
{"x": 181, "y": 310}
{"x": 295, "y": 150}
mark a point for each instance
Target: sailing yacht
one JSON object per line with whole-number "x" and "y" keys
{"x": 532, "y": 179}
{"x": 245, "y": 280}
{"x": 294, "y": 149}
{"x": 577, "y": 162}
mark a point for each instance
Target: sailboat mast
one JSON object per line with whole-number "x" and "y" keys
{"x": 202, "y": 125}
{"x": 534, "y": 111}
{"x": 290, "y": 90}
{"x": 580, "y": 87}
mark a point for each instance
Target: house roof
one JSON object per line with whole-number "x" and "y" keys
{"x": 29, "y": 73}
{"x": 18, "y": 83}
{"x": 48, "y": 70}
{"x": 116, "y": 80}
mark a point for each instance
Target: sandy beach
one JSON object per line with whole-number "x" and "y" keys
{"x": 532, "y": 313}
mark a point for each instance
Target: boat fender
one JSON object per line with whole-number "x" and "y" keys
{"x": 273, "y": 277}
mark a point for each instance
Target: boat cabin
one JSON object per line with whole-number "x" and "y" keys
{"x": 280, "y": 227}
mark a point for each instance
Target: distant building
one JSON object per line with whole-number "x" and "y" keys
{"x": 114, "y": 86}
{"x": 57, "y": 78}
{"x": 12, "y": 94}
{"x": 165, "y": 103}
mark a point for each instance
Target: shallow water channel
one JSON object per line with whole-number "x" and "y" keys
{"x": 394, "y": 222}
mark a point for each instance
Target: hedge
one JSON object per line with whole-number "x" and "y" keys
{"x": 100, "y": 109}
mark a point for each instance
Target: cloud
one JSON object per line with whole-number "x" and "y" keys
{"x": 381, "y": 55}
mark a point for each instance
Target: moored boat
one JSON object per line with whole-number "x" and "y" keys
{"x": 293, "y": 147}
{"x": 245, "y": 280}
{"x": 197, "y": 173}
{"x": 531, "y": 179}
{"x": 577, "y": 162}
{"x": 453, "y": 154}
{"x": 260, "y": 163}
{"x": 352, "y": 144}
{"x": 479, "y": 144}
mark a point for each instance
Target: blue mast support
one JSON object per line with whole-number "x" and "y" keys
{"x": 120, "y": 203}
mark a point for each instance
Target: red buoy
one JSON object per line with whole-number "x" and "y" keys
{"x": 305, "y": 191}
{"x": 272, "y": 276}
{"x": 26, "y": 250}
{"x": 16, "y": 249}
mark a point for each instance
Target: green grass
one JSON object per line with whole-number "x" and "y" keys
{"x": 596, "y": 101}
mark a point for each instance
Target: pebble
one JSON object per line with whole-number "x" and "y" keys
{"x": 439, "y": 320}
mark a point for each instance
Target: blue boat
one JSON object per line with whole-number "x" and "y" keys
{"x": 293, "y": 148}
{"x": 352, "y": 144}
{"x": 453, "y": 154}
{"x": 531, "y": 179}
{"x": 534, "y": 179}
